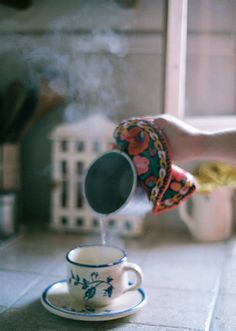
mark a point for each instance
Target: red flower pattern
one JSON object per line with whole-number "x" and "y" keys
{"x": 138, "y": 141}
{"x": 165, "y": 183}
{"x": 141, "y": 163}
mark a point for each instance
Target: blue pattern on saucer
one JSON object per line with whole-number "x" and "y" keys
{"x": 58, "y": 301}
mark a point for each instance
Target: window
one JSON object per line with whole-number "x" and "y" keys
{"x": 64, "y": 145}
{"x": 64, "y": 220}
{"x": 96, "y": 146}
{"x": 95, "y": 223}
{"x": 210, "y": 65}
{"x": 79, "y": 221}
{"x": 64, "y": 194}
{"x": 111, "y": 223}
{"x": 79, "y": 196}
{"x": 64, "y": 168}
{"x": 80, "y": 167}
{"x": 200, "y": 62}
{"x": 80, "y": 146}
{"x": 128, "y": 225}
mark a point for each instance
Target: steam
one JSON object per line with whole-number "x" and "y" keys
{"x": 82, "y": 67}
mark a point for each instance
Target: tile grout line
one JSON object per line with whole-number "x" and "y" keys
{"x": 217, "y": 291}
{"x": 9, "y": 242}
{"x": 175, "y": 328}
{"x": 213, "y": 303}
{"x": 25, "y": 291}
{"x": 177, "y": 289}
{"x": 35, "y": 273}
{"x": 4, "y": 308}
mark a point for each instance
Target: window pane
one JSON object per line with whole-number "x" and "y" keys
{"x": 79, "y": 197}
{"x": 64, "y": 220}
{"x": 64, "y": 193}
{"x": 80, "y": 146}
{"x": 64, "y": 145}
{"x": 64, "y": 168}
{"x": 79, "y": 167}
{"x": 96, "y": 146}
{"x": 80, "y": 221}
{"x": 211, "y": 66}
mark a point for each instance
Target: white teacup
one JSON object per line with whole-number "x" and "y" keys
{"x": 97, "y": 274}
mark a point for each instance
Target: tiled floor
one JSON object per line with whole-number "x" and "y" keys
{"x": 190, "y": 286}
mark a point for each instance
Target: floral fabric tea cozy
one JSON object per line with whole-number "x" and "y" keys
{"x": 165, "y": 183}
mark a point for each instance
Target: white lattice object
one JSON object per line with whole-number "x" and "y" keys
{"x": 74, "y": 147}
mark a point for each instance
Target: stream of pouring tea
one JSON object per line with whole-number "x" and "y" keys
{"x": 102, "y": 223}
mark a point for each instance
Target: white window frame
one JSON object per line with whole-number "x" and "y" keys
{"x": 175, "y": 71}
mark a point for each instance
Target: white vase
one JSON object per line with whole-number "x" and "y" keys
{"x": 210, "y": 217}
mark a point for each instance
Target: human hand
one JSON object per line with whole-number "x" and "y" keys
{"x": 185, "y": 140}
{"x": 189, "y": 143}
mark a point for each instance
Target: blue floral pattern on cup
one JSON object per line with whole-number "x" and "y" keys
{"x": 90, "y": 286}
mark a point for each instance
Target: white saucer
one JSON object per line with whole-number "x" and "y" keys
{"x": 58, "y": 301}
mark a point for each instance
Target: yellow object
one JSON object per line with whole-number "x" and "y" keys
{"x": 213, "y": 175}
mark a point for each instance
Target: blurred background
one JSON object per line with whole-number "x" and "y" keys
{"x": 62, "y": 61}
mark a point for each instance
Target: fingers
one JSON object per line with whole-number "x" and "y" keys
{"x": 163, "y": 120}
{"x": 162, "y": 123}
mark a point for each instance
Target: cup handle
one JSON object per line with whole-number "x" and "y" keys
{"x": 133, "y": 267}
{"x": 186, "y": 217}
